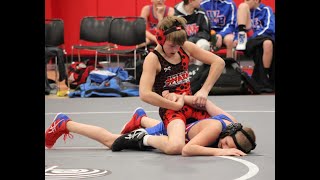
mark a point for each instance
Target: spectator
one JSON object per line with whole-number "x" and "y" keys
{"x": 256, "y": 35}
{"x": 51, "y": 52}
{"x": 197, "y": 27}
{"x": 222, "y": 17}
{"x": 154, "y": 13}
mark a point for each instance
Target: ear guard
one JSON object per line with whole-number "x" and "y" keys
{"x": 232, "y": 129}
{"x": 161, "y": 34}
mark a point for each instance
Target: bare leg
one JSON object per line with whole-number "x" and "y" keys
{"x": 267, "y": 53}
{"x": 149, "y": 122}
{"x": 228, "y": 41}
{"x": 174, "y": 142}
{"x": 243, "y": 15}
{"x": 94, "y": 132}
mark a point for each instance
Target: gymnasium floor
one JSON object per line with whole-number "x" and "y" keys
{"x": 81, "y": 157}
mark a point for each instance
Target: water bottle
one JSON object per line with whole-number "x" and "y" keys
{"x": 213, "y": 39}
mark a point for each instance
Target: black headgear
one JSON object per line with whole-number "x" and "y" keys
{"x": 231, "y": 130}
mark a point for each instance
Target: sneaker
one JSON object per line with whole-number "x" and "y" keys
{"x": 132, "y": 140}
{"x": 134, "y": 122}
{"x": 242, "y": 41}
{"x": 56, "y": 129}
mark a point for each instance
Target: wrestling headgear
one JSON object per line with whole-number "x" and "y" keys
{"x": 161, "y": 34}
{"x": 231, "y": 130}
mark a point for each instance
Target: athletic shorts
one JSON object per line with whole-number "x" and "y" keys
{"x": 186, "y": 112}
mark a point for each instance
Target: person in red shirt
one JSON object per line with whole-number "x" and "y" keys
{"x": 154, "y": 13}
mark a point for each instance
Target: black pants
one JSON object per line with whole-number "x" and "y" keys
{"x": 56, "y": 51}
{"x": 254, "y": 49}
{"x": 49, "y": 53}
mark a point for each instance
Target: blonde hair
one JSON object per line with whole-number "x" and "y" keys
{"x": 176, "y": 37}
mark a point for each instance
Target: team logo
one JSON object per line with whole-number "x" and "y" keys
{"x": 55, "y": 173}
{"x": 167, "y": 69}
{"x": 177, "y": 79}
{"x": 216, "y": 19}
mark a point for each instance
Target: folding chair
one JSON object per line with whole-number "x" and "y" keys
{"x": 94, "y": 34}
{"x": 54, "y": 44}
{"x": 126, "y": 33}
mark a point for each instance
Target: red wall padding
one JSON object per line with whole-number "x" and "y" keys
{"x": 116, "y": 8}
{"x": 72, "y": 11}
{"x": 48, "y": 10}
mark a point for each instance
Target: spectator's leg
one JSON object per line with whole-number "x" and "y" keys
{"x": 228, "y": 41}
{"x": 61, "y": 64}
{"x": 267, "y": 53}
{"x": 267, "y": 58}
{"x": 243, "y": 15}
{"x": 244, "y": 23}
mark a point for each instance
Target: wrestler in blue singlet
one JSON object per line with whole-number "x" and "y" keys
{"x": 159, "y": 129}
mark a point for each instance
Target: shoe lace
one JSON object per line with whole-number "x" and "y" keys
{"x": 53, "y": 127}
{"x": 134, "y": 135}
{"x": 66, "y": 135}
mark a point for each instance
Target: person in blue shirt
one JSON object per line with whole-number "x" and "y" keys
{"x": 222, "y": 17}
{"x": 255, "y": 34}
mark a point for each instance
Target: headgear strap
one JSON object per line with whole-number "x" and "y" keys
{"x": 161, "y": 34}
{"x": 232, "y": 129}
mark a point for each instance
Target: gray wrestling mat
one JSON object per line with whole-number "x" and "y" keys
{"x": 83, "y": 158}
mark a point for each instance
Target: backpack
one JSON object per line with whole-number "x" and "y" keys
{"x": 197, "y": 76}
{"x": 232, "y": 81}
{"x": 79, "y": 71}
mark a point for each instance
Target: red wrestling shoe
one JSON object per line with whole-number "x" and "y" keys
{"x": 56, "y": 129}
{"x": 135, "y": 121}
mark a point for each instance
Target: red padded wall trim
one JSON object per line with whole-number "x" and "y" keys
{"x": 72, "y": 11}
{"x": 116, "y": 8}
{"x": 48, "y": 9}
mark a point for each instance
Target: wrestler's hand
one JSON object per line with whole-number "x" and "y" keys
{"x": 219, "y": 41}
{"x": 235, "y": 43}
{"x": 200, "y": 99}
{"x": 170, "y": 96}
{"x": 180, "y": 102}
{"x": 231, "y": 152}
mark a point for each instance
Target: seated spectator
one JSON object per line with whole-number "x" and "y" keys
{"x": 51, "y": 52}
{"x": 222, "y": 17}
{"x": 256, "y": 35}
{"x": 197, "y": 27}
{"x": 154, "y": 13}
